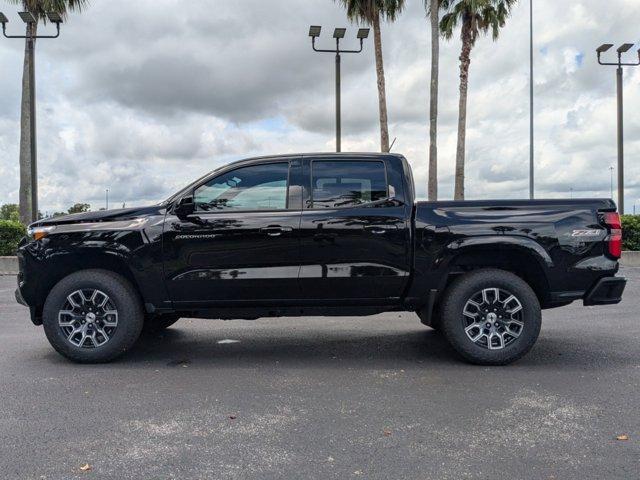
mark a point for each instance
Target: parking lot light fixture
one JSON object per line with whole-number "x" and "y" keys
{"x": 624, "y": 48}
{"x": 363, "y": 33}
{"x": 54, "y": 17}
{"x": 619, "y": 83}
{"x": 338, "y": 34}
{"x": 27, "y": 17}
{"x": 604, "y": 47}
{"x": 314, "y": 31}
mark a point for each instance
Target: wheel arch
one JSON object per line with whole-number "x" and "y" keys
{"x": 527, "y": 263}
{"x": 61, "y": 266}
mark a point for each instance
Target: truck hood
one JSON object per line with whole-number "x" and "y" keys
{"x": 102, "y": 216}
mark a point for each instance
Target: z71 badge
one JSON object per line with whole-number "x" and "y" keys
{"x": 586, "y": 233}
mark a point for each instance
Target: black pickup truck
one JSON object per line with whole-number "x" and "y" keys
{"x": 321, "y": 234}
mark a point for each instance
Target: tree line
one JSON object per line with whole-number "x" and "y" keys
{"x": 11, "y": 211}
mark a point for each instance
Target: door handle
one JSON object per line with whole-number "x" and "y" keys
{"x": 275, "y": 230}
{"x": 378, "y": 229}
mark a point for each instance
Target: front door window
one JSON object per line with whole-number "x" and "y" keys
{"x": 258, "y": 187}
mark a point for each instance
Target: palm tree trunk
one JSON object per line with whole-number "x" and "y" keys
{"x": 465, "y": 61}
{"x": 433, "y": 108}
{"x": 382, "y": 94}
{"x": 25, "y": 199}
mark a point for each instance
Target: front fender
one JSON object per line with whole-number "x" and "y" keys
{"x": 126, "y": 252}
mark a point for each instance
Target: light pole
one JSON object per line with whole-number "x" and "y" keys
{"x": 338, "y": 34}
{"x": 31, "y": 36}
{"x": 622, "y": 49}
{"x": 531, "y": 149}
{"x": 106, "y": 192}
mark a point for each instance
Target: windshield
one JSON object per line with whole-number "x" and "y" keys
{"x": 188, "y": 187}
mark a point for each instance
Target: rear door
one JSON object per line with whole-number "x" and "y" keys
{"x": 354, "y": 232}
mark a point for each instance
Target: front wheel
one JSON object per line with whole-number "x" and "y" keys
{"x": 491, "y": 317}
{"x": 92, "y": 316}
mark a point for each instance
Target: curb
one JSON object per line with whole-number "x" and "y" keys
{"x": 630, "y": 259}
{"x": 8, "y": 265}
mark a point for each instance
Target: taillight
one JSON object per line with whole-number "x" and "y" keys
{"x": 612, "y": 219}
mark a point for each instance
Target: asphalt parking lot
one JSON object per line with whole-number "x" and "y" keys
{"x": 377, "y": 397}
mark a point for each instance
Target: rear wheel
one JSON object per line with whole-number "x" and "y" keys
{"x": 491, "y": 317}
{"x": 92, "y": 316}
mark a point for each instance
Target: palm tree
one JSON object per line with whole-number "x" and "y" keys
{"x": 433, "y": 10}
{"x": 38, "y": 8}
{"x": 370, "y": 12}
{"x": 475, "y": 17}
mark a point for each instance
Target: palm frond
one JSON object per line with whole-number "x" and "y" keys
{"x": 364, "y": 11}
{"x": 479, "y": 16}
{"x": 448, "y": 24}
{"x": 390, "y": 9}
{"x": 39, "y": 8}
{"x": 360, "y": 11}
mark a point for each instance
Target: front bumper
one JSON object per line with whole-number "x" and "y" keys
{"x": 19, "y": 298}
{"x": 606, "y": 291}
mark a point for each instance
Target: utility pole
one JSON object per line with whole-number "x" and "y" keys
{"x": 620, "y": 101}
{"x": 338, "y": 34}
{"x": 338, "y": 100}
{"x": 31, "y": 36}
{"x": 531, "y": 145}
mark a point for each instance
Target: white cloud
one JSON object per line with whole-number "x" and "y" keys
{"x": 141, "y": 97}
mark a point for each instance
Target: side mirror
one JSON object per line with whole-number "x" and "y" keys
{"x": 184, "y": 208}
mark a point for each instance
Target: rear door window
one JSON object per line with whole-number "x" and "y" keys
{"x": 339, "y": 184}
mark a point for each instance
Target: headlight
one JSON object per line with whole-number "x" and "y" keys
{"x": 36, "y": 233}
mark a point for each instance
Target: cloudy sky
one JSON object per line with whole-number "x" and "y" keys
{"x": 142, "y": 97}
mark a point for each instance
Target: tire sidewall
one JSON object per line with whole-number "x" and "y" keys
{"x": 468, "y": 285}
{"x": 119, "y": 290}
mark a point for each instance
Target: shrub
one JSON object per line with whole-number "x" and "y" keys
{"x": 10, "y": 235}
{"x": 9, "y": 211}
{"x": 631, "y": 232}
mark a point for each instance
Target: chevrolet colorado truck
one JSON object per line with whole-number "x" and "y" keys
{"x": 321, "y": 234}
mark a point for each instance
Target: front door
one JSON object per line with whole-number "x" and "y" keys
{"x": 241, "y": 245}
{"x": 355, "y": 237}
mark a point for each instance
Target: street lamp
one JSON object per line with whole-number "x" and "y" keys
{"x": 531, "y": 119}
{"x": 338, "y": 34}
{"x": 622, "y": 49}
{"x": 31, "y": 36}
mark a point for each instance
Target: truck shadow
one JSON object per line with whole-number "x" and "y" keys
{"x": 318, "y": 346}
{"x": 310, "y": 346}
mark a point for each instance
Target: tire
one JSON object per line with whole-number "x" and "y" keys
{"x": 84, "y": 327}
{"x": 158, "y": 323}
{"x": 513, "y": 317}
